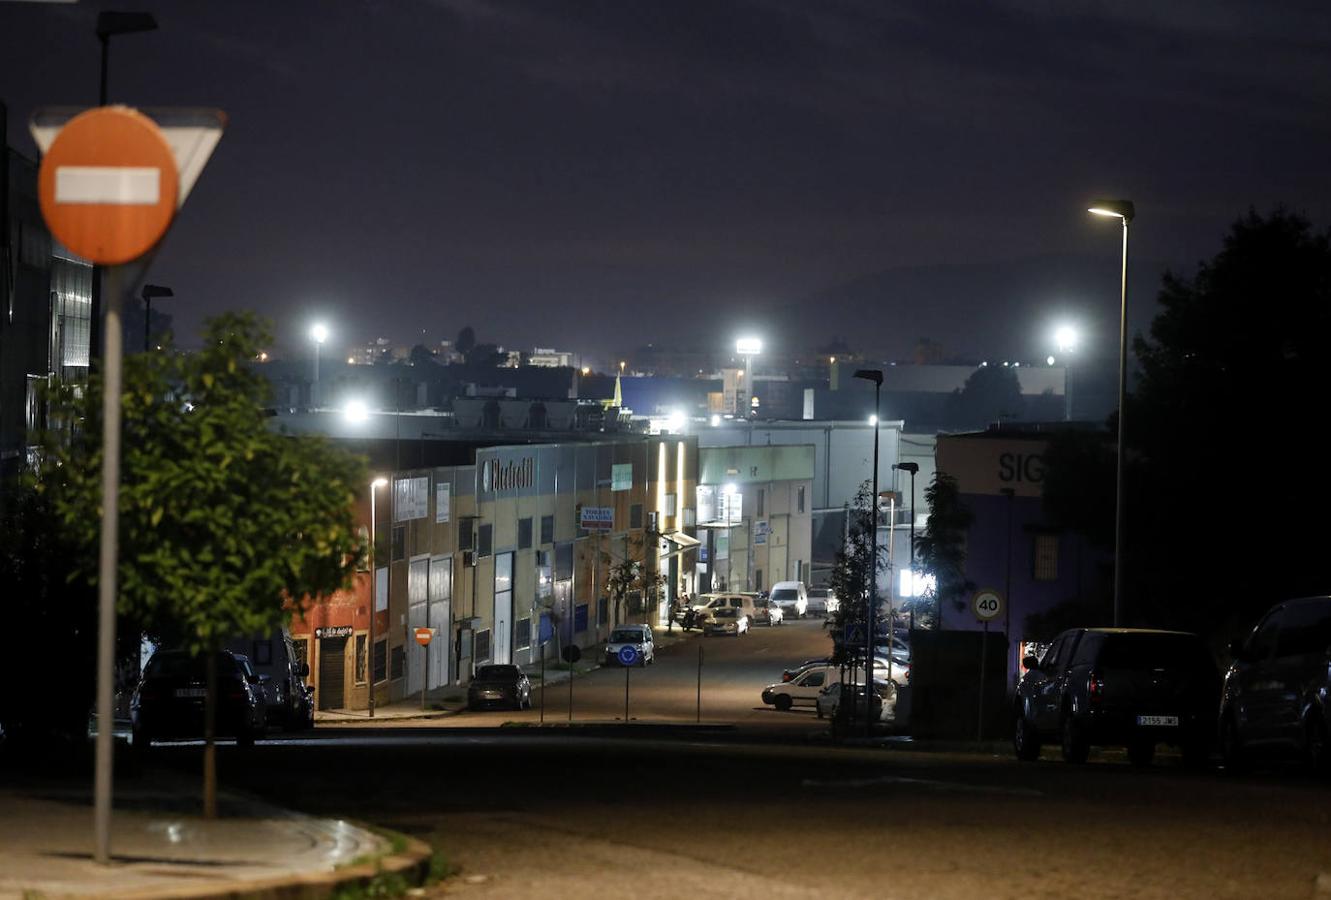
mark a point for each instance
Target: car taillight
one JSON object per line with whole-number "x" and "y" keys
{"x": 1095, "y": 689}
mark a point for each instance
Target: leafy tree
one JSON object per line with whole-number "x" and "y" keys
{"x": 466, "y": 340}
{"x": 225, "y": 523}
{"x": 484, "y": 356}
{"x": 853, "y": 577}
{"x": 628, "y": 576}
{"x": 990, "y": 394}
{"x": 942, "y": 547}
{"x": 421, "y": 356}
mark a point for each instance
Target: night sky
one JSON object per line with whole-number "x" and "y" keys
{"x": 599, "y": 175}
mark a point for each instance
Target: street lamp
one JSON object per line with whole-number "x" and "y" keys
{"x": 913, "y": 469}
{"x": 1066, "y": 340}
{"x": 876, "y": 376}
{"x": 148, "y": 293}
{"x": 374, "y": 589}
{"x": 318, "y": 334}
{"x": 1122, "y": 209}
{"x": 748, "y": 347}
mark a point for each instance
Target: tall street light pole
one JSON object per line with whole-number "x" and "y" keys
{"x": 374, "y": 589}
{"x": 1122, "y": 209}
{"x": 876, "y": 376}
{"x": 318, "y": 334}
{"x": 148, "y": 293}
{"x": 748, "y": 347}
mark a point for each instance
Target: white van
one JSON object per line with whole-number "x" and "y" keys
{"x": 792, "y": 597}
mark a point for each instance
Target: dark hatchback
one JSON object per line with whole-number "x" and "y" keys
{"x": 499, "y": 685}
{"x": 1277, "y": 693}
{"x": 169, "y": 701}
{"x": 1132, "y": 688}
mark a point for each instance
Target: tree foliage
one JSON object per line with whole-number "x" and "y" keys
{"x": 853, "y": 578}
{"x": 990, "y": 394}
{"x": 222, "y": 518}
{"x": 942, "y": 547}
{"x": 626, "y": 577}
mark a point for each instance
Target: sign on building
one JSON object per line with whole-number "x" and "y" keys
{"x": 621, "y": 476}
{"x": 730, "y": 508}
{"x": 597, "y": 518}
{"x": 411, "y": 498}
{"x": 760, "y": 531}
{"x": 442, "y": 496}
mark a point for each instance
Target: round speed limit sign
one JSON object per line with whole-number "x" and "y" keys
{"x": 987, "y": 605}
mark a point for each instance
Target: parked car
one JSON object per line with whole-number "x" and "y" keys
{"x": 802, "y": 690}
{"x": 290, "y": 700}
{"x": 823, "y": 601}
{"x": 169, "y": 700}
{"x": 792, "y": 597}
{"x": 639, "y": 637}
{"x": 1121, "y": 687}
{"x": 726, "y": 620}
{"x": 882, "y": 706}
{"x": 1275, "y": 696}
{"x": 499, "y": 685}
{"x": 757, "y": 607}
{"x": 900, "y": 672}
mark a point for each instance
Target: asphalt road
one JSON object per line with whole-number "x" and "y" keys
{"x": 771, "y": 809}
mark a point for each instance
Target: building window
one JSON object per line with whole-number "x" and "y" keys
{"x": 484, "y": 540}
{"x": 757, "y": 579}
{"x": 1046, "y": 557}
{"x": 483, "y": 646}
{"x": 380, "y": 660}
{"x": 564, "y": 561}
{"x": 399, "y": 542}
{"x": 690, "y": 517}
{"x": 522, "y": 634}
{"x": 361, "y": 659}
{"x": 580, "y": 617}
{"x": 524, "y": 533}
{"x": 603, "y": 610}
{"x": 466, "y": 533}
{"x": 635, "y": 515}
{"x": 671, "y": 502}
{"x": 399, "y": 661}
{"x": 799, "y": 499}
{"x": 762, "y": 496}
{"x": 547, "y": 529}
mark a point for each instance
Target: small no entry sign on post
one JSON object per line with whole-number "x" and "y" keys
{"x": 424, "y": 636}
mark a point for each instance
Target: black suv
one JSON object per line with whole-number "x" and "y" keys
{"x": 1120, "y": 687}
{"x": 1275, "y": 695}
{"x": 168, "y": 702}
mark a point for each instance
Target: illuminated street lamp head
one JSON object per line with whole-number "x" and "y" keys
{"x": 357, "y": 411}
{"x": 379, "y": 482}
{"x": 1120, "y": 209}
{"x": 874, "y": 375}
{"x": 586, "y": 370}
{"x": 1065, "y": 338}
{"x": 873, "y": 420}
{"x": 319, "y": 332}
{"x": 749, "y": 346}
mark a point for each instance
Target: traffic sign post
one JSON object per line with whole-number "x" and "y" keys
{"x": 109, "y": 185}
{"x": 628, "y": 658}
{"x": 423, "y": 637}
{"x": 987, "y": 606}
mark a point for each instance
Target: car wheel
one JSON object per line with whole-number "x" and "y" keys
{"x": 1075, "y": 746}
{"x": 1232, "y": 753}
{"x": 1140, "y": 753}
{"x": 783, "y": 702}
{"x": 1025, "y": 740}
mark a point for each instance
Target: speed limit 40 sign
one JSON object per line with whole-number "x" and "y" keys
{"x": 987, "y": 605}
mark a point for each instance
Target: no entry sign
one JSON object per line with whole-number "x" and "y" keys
{"x": 108, "y": 185}
{"x": 424, "y": 636}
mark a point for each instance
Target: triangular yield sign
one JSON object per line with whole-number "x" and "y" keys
{"x": 192, "y": 135}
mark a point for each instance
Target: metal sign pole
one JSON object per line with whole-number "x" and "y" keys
{"x": 627, "y": 670}
{"x": 984, "y": 653}
{"x": 698, "y": 719}
{"x": 106, "y": 574}
{"x": 541, "y": 644}
{"x": 425, "y": 682}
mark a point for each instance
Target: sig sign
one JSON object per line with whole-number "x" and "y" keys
{"x": 597, "y": 518}
{"x": 987, "y": 605}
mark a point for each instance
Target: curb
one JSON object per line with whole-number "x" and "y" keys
{"x": 412, "y": 863}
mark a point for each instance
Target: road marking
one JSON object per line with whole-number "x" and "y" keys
{"x": 919, "y": 782}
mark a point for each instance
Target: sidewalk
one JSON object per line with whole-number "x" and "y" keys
{"x": 161, "y": 847}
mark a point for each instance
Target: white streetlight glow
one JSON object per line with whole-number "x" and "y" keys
{"x": 1065, "y": 338}
{"x": 319, "y": 332}
{"x": 1049, "y": 360}
{"x": 716, "y": 420}
{"x": 356, "y": 411}
{"x": 749, "y": 346}
{"x": 873, "y": 420}
{"x": 675, "y": 421}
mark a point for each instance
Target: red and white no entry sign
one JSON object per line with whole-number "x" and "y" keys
{"x": 424, "y": 636}
{"x": 108, "y": 185}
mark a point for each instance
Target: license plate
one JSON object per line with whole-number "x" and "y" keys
{"x": 191, "y": 692}
{"x": 1169, "y": 721}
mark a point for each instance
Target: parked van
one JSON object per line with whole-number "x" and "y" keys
{"x": 792, "y": 597}
{"x": 273, "y": 657}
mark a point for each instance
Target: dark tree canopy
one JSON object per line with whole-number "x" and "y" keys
{"x": 466, "y": 340}
{"x": 991, "y": 394}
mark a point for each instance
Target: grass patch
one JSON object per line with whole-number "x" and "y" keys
{"x": 381, "y": 885}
